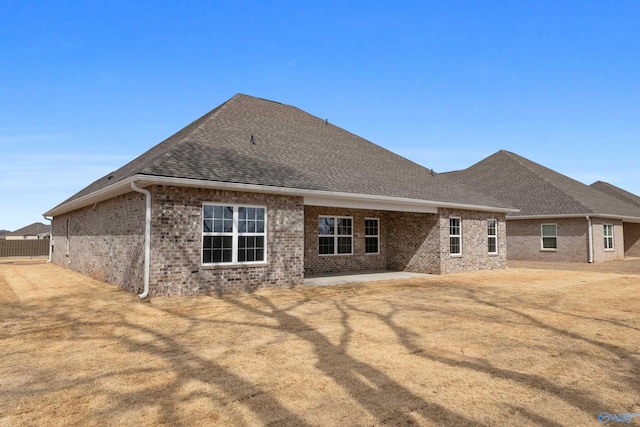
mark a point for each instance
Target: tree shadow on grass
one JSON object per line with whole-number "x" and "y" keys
{"x": 182, "y": 367}
{"x": 377, "y": 393}
{"x": 573, "y": 397}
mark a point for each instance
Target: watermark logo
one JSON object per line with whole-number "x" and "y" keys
{"x": 605, "y": 417}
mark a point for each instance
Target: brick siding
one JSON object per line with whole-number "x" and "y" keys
{"x": 177, "y": 235}
{"x": 631, "y": 239}
{"x": 599, "y": 253}
{"x": 524, "y": 241}
{"x": 105, "y": 241}
{"x": 315, "y": 264}
{"x": 475, "y": 251}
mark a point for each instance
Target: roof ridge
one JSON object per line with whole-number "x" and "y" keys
{"x": 519, "y": 159}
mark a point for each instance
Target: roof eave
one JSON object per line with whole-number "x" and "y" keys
{"x": 624, "y": 218}
{"x": 311, "y": 196}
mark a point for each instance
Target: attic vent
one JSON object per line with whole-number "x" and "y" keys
{"x": 326, "y": 121}
{"x": 109, "y": 177}
{"x": 252, "y": 141}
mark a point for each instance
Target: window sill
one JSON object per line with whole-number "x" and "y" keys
{"x": 548, "y": 250}
{"x": 336, "y": 254}
{"x": 455, "y": 255}
{"x": 372, "y": 253}
{"x": 233, "y": 265}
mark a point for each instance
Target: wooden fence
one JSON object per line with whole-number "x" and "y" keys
{"x": 27, "y": 248}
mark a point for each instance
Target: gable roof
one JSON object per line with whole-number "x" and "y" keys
{"x": 34, "y": 229}
{"x": 253, "y": 144}
{"x": 539, "y": 191}
{"x": 617, "y": 192}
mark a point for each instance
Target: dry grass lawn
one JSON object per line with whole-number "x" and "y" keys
{"x": 515, "y": 347}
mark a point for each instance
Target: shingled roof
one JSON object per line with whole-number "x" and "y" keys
{"x": 35, "y": 229}
{"x": 256, "y": 142}
{"x": 617, "y": 192}
{"x": 539, "y": 191}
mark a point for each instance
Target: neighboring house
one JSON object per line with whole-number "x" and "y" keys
{"x": 256, "y": 193}
{"x": 34, "y": 231}
{"x": 631, "y": 230}
{"x": 560, "y": 219}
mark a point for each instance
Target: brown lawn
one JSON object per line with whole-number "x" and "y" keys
{"x": 521, "y": 346}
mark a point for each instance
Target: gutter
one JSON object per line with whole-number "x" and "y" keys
{"x": 624, "y": 218}
{"x": 397, "y": 203}
{"x": 50, "y": 219}
{"x": 590, "y": 233}
{"x": 147, "y": 238}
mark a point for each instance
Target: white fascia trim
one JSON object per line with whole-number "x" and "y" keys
{"x": 117, "y": 189}
{"x": 397, "y": 203}
{"x": 620, "y": 217}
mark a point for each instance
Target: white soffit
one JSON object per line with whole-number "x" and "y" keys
{"x": 339, "y": 202}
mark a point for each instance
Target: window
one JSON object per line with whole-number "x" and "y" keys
{"x": 492, "y": 236}
{"x": 233, "y": 234}
{"x": 335, "y": 235}
{"x": 549, "y": 236}
{"x": 455, "y": 236}
{"x": 371, "y": 236}
{"x": 608, "y": 236}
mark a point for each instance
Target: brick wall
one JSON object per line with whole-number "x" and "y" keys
{"x": 104, "y": 242}
{"x": 573, "y": 241}
{"x": 413, "y": 242}
{"x": 631, "y": 239}
{"x": 177, "y": 235}
{"x": 315, "y": 264}
{"x": 599, "y": 253}
{"x": 523, "y": 240}
{"x": 475, "y": 253}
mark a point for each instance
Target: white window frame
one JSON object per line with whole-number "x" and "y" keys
{"x": 377, "y": 236}
{"x": 542, "y": 237}
{"x": 458, "y": 236}
{"x": 335, "y": 235}
{"x": 609, "y": 244}
{"x": 493, "y": 237}
{"x": 235, "y": 234}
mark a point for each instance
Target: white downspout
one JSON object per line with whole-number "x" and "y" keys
{"x": 590, "y": 232}
{"x": 50, "y": 236}
{"x": 147, "y": 238}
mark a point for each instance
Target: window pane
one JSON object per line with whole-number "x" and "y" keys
{"x": 371, "y": 227}
{"x": 548, "y": 230}
{"x": 218, "y": 212}
{"x": 454, "y": 245}
{"x": 454, "y": 226}
{"x": 325, "y": 246}
{"x": 344, "y": 226}
{"x": 217, "y": 226}
{"x": 344, "y": 245}
{"x": 549, "y": 243}
{"x": 208, "y": 226}
{"x": 492, "y": 245}
{"x": 208, "y": 211}
{"x": 371, "y": 245}
{"x": 228, "y": 212}
{"x": 325, "y": 225}
{"x": 207, "y": 256}
{"x": 491, "y": 227}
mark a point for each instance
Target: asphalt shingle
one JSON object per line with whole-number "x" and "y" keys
{"x": 537, "y": 190}
{"x": 251, "y": 140}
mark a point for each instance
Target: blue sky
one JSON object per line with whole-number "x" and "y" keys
{"x": 85, "y": 86}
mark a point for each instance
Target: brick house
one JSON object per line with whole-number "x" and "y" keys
{"x": 559, "y": 218}
{"x": 256, "y": 193}
{"x": 631, "y": 230}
